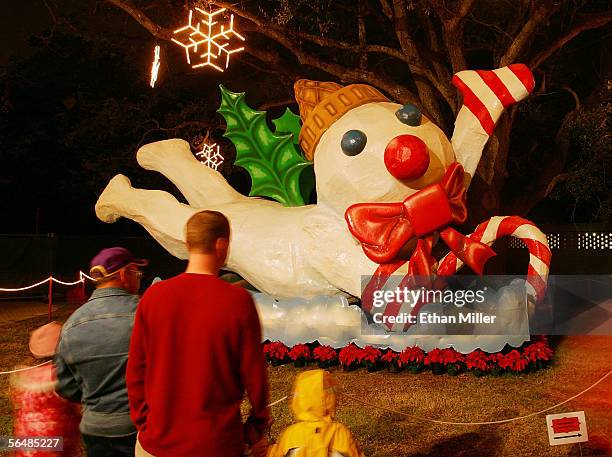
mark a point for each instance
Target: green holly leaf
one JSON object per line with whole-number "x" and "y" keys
{"x": 270, "y": 158}
{"x": 288, "y": 123}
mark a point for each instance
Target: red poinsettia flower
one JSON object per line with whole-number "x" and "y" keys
{"x": 370, "y": 354}
{"x": 477, "y": 360}
{"x": 390, "y": 356}
{"x": 276, "y": 350}
{"x": 538, "y": 351}
{"x": 451, "y": 356}
{"x": 413, "y": 354}
{"x": 300, "y": 351}
{"x": 350, "y": 354}
{"x": 434, "y": 356}
{"x": 519, "y": 365}
{"x": 325, "y": 353}
{"x": 504, "y": 360}
{"x": 513, "y": 361}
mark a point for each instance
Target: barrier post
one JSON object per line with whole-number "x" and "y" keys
{"x": 83, "y": 289}
{"x": 50, "y": 296}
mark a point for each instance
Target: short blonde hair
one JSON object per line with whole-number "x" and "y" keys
{"x": 203, "y": 229}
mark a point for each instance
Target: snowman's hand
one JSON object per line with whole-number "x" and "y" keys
{"x": 157, "y": 211}
{"x": 202, "y": 186}
{"x": 486, "y": 94}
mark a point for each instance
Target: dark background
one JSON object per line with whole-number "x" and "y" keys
{"x": 75, "y": 103}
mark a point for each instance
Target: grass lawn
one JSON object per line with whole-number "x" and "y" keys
{"x": 579, "y": 361}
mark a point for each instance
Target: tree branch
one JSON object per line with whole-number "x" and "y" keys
{"x": 409, "y": 47}
{"x": 386, "y": 7}
{"x": 214, "y": 124}
{"x": 154, "y": 29}
{"x": 436, "y": 52}
{"x": 452, "y": 25}
{"x": 345, "y": 74}
{"x": 415, "y": 68}
{"x": 363, "y": 56}
{"x": 543, "y": 11}
{"x": 588, "y": 23}
{"x": 272, "y": 31}
{"x": 276, "y": 103}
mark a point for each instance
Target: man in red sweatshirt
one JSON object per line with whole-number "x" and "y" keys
{"x": 195, "y": 348}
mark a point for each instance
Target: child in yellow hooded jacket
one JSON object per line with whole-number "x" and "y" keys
{"x": 315, "y": 433}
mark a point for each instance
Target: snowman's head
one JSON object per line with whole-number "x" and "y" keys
{"x": 365, "y": 148}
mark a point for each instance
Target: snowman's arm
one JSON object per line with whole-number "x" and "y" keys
{"x": 202, "y": 186}
{"x": 486, "y": 94}
{"x": 157, "y": 211}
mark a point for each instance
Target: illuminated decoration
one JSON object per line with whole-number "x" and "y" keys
{"x": 50, "y": 280}
{"x": 210, "y": 156}
{"x": 155, "y": 67}
{"x": 201, "y": 38}
{"x": 82, "y": 278}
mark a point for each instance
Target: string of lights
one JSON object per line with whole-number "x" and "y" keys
{"x": 82, "y": 278}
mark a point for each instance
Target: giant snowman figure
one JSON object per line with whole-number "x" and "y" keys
{"x": 388, "y": 182}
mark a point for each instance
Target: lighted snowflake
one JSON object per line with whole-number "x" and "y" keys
{"x": 207, "y": 39}
{"x": 210, "y": 156}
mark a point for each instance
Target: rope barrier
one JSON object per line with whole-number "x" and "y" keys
{"x": 27, "y": 287}
{"x": 436, "y": 421}
{"x": 502, "y": 421}
{"x": 26, "y": 368}
{"x": 411, "y": 416}
{"x": 278, "y": 401}
{"x": 82, "y": 278}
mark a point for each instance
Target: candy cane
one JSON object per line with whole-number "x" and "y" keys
{"x": 517, "y": 227}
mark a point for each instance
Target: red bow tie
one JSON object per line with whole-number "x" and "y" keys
{"x": 384, "y": 228}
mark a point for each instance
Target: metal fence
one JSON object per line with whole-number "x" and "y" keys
{"x": 584, "y": 249}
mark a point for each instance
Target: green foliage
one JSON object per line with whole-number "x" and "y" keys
{"x": 271, "y": 158}
{"x": 289, "y": 122}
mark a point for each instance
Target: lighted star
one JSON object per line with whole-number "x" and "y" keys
{"x": 207, "y": 39}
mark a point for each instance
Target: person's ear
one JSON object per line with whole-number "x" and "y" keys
{"x": 123, "y": 276}
{"x": 222, "y": 249}
{"x": 222, "y": 244}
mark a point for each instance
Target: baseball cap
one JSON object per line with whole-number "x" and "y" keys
{"x": 110, "y": 260}
{"x": 43, "y": 340}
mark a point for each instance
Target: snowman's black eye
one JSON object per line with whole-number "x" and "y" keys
{"x": 353, "y": 142}
{"x": 410, "y": 115}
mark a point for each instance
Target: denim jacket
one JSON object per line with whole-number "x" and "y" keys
{"x": 91, "y": 359}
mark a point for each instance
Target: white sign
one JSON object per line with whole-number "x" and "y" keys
{"x": 566, "y": 428}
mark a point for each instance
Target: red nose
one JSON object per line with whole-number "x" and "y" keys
{"x": 406, "y": 157}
